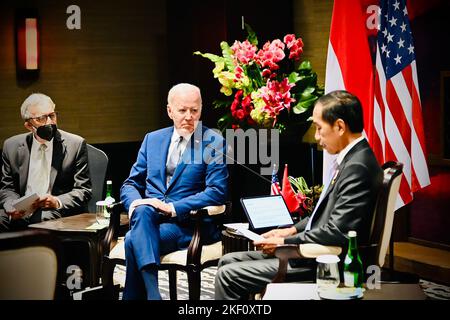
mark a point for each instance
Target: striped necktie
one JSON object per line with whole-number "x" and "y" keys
{"x": 174, "y": 158}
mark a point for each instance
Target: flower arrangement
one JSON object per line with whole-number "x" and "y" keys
{"x": 307, "y": 197}
{"x": 264, "y": 86}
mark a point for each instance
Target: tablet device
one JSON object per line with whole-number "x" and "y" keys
{"x": 266, "y": 212}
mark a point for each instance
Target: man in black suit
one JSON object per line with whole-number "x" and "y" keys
{"x": 347, "y": 202}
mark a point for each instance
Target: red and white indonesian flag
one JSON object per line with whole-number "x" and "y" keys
{"x": 371, "y": 54}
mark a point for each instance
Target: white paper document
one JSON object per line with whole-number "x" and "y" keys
{"x": 251, "y": 235}
{"x": 25, "y": 204}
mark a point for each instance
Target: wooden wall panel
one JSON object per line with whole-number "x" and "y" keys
{"x": 108, "y": 80}
{"x": 312, "y": 20}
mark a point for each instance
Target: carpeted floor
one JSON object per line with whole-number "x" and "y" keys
{"x": 433, "y": 290}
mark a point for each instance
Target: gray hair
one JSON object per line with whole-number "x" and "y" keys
{"x": 182, "y": 88}
{"x": 34, "y": 99}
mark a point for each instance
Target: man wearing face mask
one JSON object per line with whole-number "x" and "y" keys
{"x": 47, "y": 161}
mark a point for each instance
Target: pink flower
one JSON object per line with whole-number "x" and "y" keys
{"x": 239, "y": 73}
{"x": 296, "y": 49}
{"x": 277, "y": 96}
{"x": 244, "y": 52}
{"x": 271, "y": 54}
{"x": 289, "y": 39}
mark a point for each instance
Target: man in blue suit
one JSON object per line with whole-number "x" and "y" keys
{"x": 178, "y": 169}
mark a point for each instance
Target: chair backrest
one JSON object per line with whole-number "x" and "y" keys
{"x": 384, "y": 211}
{"x": 29, "y": 265}
{"x": 98, "y": 163}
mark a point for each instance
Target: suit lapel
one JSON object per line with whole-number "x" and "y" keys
{"x": 334, "y": 178}
{"x": 359, "y": 146}
{"x": 59, "y": 150}
{"x": 165, "y": 143}
{"x": 24, "y": 151}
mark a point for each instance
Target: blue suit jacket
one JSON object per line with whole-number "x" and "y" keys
{"x": 199, "y": 179}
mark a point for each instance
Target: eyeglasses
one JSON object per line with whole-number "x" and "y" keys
{"x": 43, "y": 118}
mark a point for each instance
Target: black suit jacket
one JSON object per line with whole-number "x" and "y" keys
{"x": 69, "y": 174}
{"x": 349, "y": 202}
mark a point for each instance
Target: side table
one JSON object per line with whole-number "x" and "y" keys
{"x": 82, "y": 228}
{"x": 233, "y": 242}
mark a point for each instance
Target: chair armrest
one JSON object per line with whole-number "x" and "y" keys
{"x": 293, "y": 251}
{"x": 211, "y": 210}
{"x": 284, "y": 253}
{"x": 112, "y": 233}
{"x": 195, "y": 246}
{"x": 313, "y": 250}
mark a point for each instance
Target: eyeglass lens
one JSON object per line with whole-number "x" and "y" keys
{"x": 44, "y": 117}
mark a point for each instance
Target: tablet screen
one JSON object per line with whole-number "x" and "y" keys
{"x": 266, "y": 212}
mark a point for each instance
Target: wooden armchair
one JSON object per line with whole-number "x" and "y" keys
{"x": 372, "y": 253}
{"x": 192, "y": 260}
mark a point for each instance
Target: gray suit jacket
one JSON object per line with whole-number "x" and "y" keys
{"x": 69, "y": 174}
{"x": 348, "y": 204}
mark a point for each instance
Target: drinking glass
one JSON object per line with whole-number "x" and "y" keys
{"x": 101, "y": 213}
{"x": 328, "y": 277}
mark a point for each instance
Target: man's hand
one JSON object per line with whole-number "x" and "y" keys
{"x": 164, "y": 208}
{"x": 269, "y": 245}
{"x": 46, "y": 202}
{"x": 280, "y": 233}
{"x": 15, "y": 214}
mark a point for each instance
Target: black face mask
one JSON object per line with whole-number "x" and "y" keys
{"x": 46, "y": 132}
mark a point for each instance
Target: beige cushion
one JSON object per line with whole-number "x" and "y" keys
{"x": 215, "y": 210}
{"x": 28, "y": 274}
{"x": 209, "y": 252}
{"x": 313, "y": 250}
{"x": 387, "y": 230}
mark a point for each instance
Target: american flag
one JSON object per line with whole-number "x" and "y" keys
{"x": 275, "y": 186}
{"x": 362, "y": 36}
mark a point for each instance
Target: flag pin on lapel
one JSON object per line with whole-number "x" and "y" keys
{"x": 334, "y": 177}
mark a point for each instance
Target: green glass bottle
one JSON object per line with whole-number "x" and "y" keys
{"x": 109, "y": 198}
{"x": 109, "y": 190}
{"x": 353, "y": 267}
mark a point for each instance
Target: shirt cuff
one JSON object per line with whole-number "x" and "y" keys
{"x": 7, "y": 206}
{"x": 60, "y": 203}
{"x": 172, "y": 212}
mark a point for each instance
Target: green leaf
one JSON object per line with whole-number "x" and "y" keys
{"x": 225, "y": 122}
{"x": 227, "y": 55}
{"x": 305, "y": 66}
{"x": 293, "y": 77}
{"x": 217, "y": 104}
{"x": 210, "y": 56}
{"x": 306, "y": 94}
{"x": 298, "y": 109}
{"x": 254, "y": 73}
{"x": 251, "y": 35}
{"x": 304, "y": 105}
